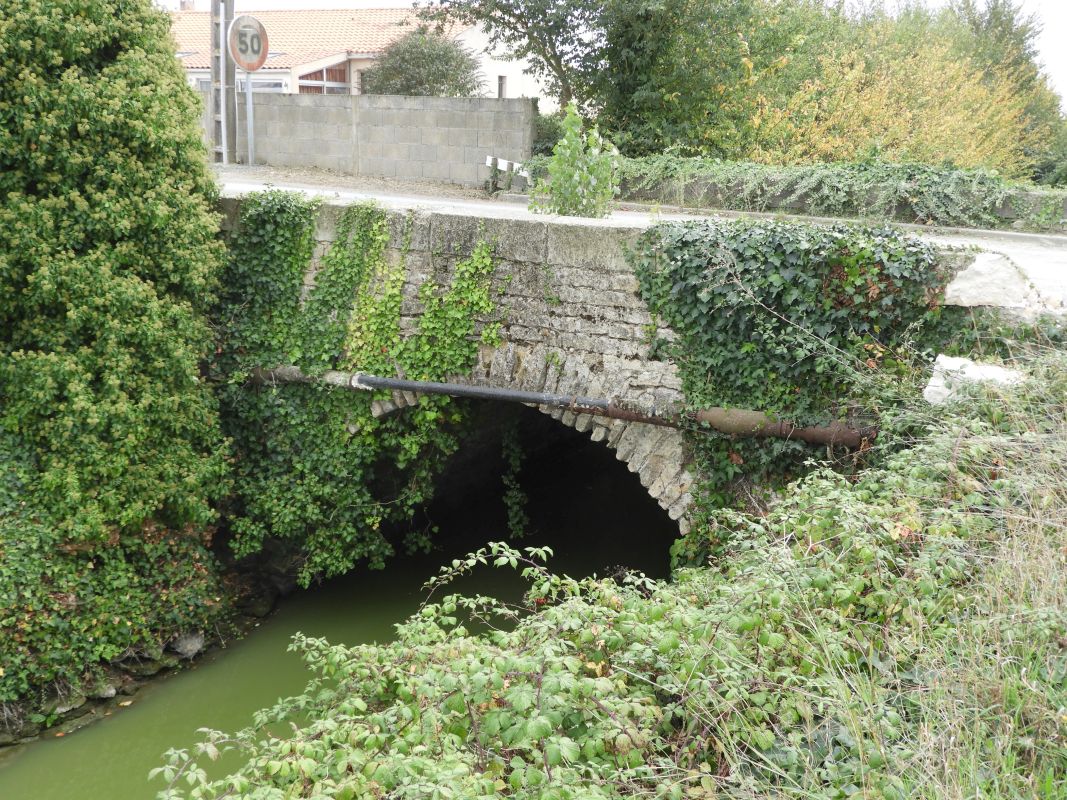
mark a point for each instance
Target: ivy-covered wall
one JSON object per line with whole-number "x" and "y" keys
{"x": 315, "y": 470}
{"x": 563, "y": 315}
{"x": 805, "y": 322}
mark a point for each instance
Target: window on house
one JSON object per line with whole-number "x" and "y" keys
{"x": 203, "y": 84}
{"x": 263, "y": 85}
{"x": 331, "y": 80}
{"x": 501, "y": 86}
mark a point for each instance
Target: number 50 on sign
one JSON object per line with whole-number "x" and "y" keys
{"x": 247, "y": 43}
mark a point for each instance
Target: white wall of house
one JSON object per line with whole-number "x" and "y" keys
{"x": 517, "y": 82}
{"x": 275, "y": 80}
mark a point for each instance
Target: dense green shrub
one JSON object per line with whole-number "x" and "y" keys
{"x": 895, "y": 635}
{"x": 314, "y": 468}
{"x": 548, "y": 130}
{"x": 581, "y": 174}
{"x": 108, "y": 260}
{"x": 65, "y": 609}
{"x": 424, "y": 63}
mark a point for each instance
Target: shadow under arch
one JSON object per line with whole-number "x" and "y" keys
{"x": 579, "y": 499}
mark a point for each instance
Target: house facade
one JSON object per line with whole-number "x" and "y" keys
{"x": 326, "y": 51}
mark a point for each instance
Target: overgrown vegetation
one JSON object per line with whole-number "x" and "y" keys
{"x": 548, "y": 130}
{"x": 897, "y": 634}
{"x": 794, "y": 81}
{"x": 580, "y": 177}
{"x": 314, "y": 469}
{"x": 110, "y": 450}
{"x": 942, "y": 195}
{"x": 872, "y": 189}
{"x": 785, "y": 318}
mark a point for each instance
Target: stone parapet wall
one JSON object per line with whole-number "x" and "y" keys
{"x": 444, "y": 139}
{"x": 571, "y": 321}
{"x": 1027, "y": 209}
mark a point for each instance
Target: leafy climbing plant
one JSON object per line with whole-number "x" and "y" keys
{"x": 315, "y": 468}
{"x": 111, "y": 456}
{"x": 793, "y": 319}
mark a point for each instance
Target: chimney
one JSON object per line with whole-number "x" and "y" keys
{"x": 186, "y": 5}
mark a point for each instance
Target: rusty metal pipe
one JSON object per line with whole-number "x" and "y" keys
{"x": 731, "y": 421}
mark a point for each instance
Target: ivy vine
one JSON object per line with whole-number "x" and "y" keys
{"x": 316, "y": 470}
{"x": 514, "y": 496}
{"x": 791, "y": 319}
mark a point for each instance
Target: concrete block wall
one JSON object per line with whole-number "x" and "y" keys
{"x": 441, "y": 139}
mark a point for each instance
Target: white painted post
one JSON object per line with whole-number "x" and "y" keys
{"x": 218, "y": 81}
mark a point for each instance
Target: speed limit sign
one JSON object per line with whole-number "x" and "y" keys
{"x": 247, "y": 42}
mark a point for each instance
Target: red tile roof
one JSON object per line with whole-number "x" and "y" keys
{"x": 298, "y": 37}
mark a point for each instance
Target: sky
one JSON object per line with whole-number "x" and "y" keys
{"x": 1052, "y": 45}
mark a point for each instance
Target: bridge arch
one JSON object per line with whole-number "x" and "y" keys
{"x": 657, "y": 454}
{"x": 569, "y": 317}
{"x": 570, "y": 322}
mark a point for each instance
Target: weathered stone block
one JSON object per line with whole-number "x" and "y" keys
{"x": 409, "y": 135}
{"x": 396, "y": 151}
{"x": 463, "y": 137}
{"x": 435, "y": 135}
{"x": 433, "y": 169}
{"x": 467, "y": 175}
{"x": 454, "y": 234}
{"x": 379, "y": 134}
{"x": 382, "y": 167}
{"x": 408, "y": 168}
{"x": 589, "y": 247}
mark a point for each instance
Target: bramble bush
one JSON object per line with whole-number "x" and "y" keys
{"x": 108, "y": 262}
{"x": 870, "y": 188}
{"x": 897, "y": 634}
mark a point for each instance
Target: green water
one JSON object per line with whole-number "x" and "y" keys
{"x": 582, "y": 502}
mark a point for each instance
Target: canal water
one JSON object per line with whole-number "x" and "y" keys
{"x": 581, "y": 502}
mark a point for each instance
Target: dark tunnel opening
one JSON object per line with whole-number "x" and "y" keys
{"x": 579, "y": 500}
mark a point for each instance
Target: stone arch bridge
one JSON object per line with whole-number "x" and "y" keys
{"x": 572, "y": 322}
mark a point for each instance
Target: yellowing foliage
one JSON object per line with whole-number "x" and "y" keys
{"x": 925, "y": 105}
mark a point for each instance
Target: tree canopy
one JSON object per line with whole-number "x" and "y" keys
{"x": 424, "y": 63}
{"x": 793, "y": 80}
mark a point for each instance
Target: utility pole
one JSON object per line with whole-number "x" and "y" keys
{"x": 223, "y": 97}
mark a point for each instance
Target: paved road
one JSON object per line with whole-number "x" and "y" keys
{"x": 1035, "y": 263}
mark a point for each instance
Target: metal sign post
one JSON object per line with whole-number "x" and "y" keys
{"x": 249, "y": 114}
{"x": 248, "y": 46}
